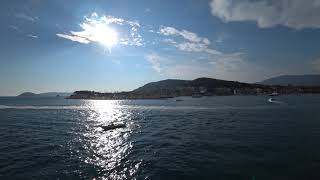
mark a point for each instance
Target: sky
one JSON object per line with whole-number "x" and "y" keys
{"x": 119, "y": 45}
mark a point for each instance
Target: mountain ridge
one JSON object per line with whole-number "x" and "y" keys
{"x": 295, "y": 80}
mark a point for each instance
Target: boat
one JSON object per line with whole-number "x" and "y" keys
{"x": 113, "y": 126}
{"x": 274, "y": 94}
{"x": 166, "y": 97}
{"x": 196, "y": 96}
{"x": 179, "y": 99}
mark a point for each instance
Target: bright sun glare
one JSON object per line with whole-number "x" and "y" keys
{"x": 104, "y": 35}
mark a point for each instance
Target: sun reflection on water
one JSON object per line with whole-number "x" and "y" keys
{"x": 107, "y": 150}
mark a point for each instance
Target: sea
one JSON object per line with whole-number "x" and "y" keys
{"x": 218, "y": 138}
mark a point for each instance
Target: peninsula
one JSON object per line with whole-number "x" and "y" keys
{"x": 199, "y": 87}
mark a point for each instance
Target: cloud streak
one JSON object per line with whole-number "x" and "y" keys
{"x": 155, "y": 60}
{"x": 16, "y": 28}
{"x": 26, "y": 17}
{"x": 74, "y": 38}
{"x": 295, "y": 14}
{"x": 33, "y": 36}
{"x": 191, "y": 42}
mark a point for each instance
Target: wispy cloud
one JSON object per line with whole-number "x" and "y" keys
{"x": 295, "y": 14}
{"x": 155, "y": 61}
{"x": 75, "y": 38}
{"x": 233, "y": 66}
{"x": 26, "y": 17}
{"x": 191, "y": 42}
{"x": 16, "y": 28}
{"x": 222, "y": 36}
{"x": 33, "y": 36}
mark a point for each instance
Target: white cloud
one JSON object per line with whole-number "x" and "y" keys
{"x": 129, "y": 30}
{"x": 171, "y": 41}
{"x": 196, "y": 47}
{"x": 26, "y": 17}
{"x": 297, "y": 14}
{"x": 33, "y": 36}
{"x": 155, "y": 60}
{"x": 191, "y": 36}
{"x": 212, "y": 63}
{"x": 191, "y": 41}
{"x": 74, "y": 38}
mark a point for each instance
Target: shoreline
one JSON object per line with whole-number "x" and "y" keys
{"x": 265, "y": 95}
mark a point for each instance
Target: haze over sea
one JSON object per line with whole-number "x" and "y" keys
{"x": 226, "y": 137}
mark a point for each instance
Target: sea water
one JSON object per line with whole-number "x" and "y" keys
{"x": 222, "y": 137}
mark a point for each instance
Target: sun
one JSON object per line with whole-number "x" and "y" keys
{"x": 104, "y": 35}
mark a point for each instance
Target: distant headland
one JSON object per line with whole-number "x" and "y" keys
{"x": 48, "y": 94}
{"x": 196, "y": 88}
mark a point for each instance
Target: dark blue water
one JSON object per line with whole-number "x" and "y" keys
{"x": 236, "y": 137}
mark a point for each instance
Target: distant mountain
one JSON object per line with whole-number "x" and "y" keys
{"x": 164, "y": 84}
{"x": 54, "y": 94}
{"x": 48, "y": 94}
{"x": 28, "y": 94}
{"x": 296, "y": 80}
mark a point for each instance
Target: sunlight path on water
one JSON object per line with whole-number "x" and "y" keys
{"x": 108, "y": 150}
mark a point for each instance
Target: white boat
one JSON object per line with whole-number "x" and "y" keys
{"x": 274, "y": 94}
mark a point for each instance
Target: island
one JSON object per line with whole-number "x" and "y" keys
{"x": 196, "y": 88}
{"x": 28, "y": 94}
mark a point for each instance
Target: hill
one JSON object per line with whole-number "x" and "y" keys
{"x": 195, "y": 88}
{"x": 48, "y": 94}
{"x": 28, "y": 94}
{"x": 295, "y": 80}
{"x": 208, "y": 83}
{"x": 164, "y": 84}
{"x": 54, "y": 94}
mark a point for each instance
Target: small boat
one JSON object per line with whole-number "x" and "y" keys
{"x": 113, "y": 126}
{"x": 274, "y": 94}
{"x": 166, "y": 97}
{"x": 196, "y": 96}
{"x": 179, "y": 99}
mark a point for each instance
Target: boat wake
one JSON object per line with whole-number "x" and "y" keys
{"x": 272, "y": 100}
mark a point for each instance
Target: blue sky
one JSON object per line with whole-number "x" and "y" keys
{"x": 115, "y": 45}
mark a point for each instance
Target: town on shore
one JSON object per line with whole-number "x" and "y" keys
{"x": 196, "y": 88}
